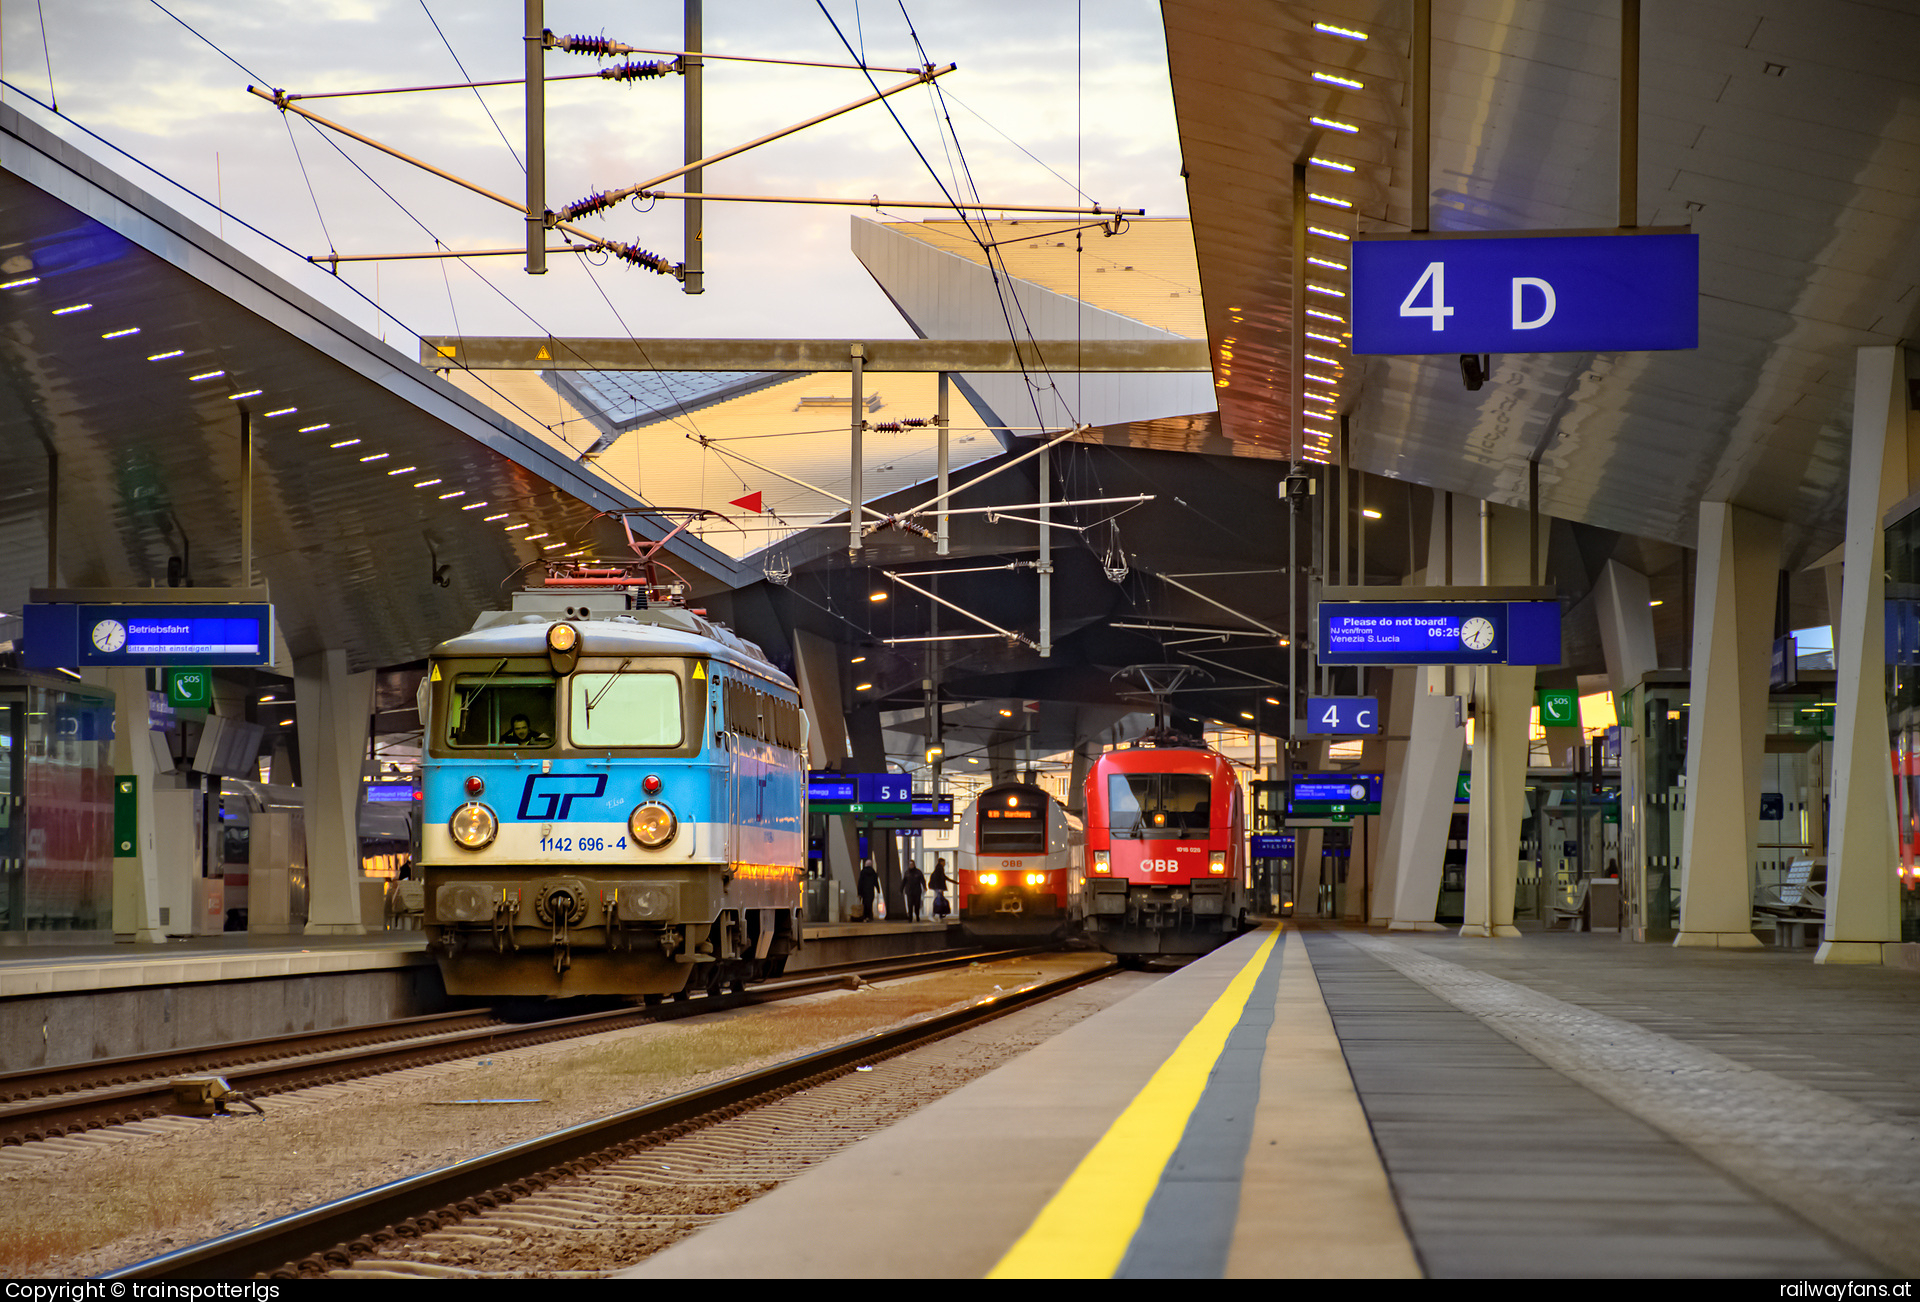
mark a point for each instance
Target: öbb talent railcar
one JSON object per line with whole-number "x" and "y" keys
{"x": 615, "y": 797}
{"x": 1020, "y": 865}
{"x": 1166, "y": 850}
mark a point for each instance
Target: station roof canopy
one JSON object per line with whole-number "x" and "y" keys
{"x": 1786, "y": 135}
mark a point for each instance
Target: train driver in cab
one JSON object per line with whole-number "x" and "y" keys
{"x": 520, "y": 732}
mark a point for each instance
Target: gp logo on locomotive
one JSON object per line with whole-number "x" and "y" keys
{"x": 556, "y": 793}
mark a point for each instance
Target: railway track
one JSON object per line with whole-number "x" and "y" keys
{"x": 334, "y": 1235}
{"x": 54, "y": 1102}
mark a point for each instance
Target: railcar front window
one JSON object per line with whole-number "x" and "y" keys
{"x": 501, "y": 708}
{"x": 633, "y": 709}
{"x": 1159, "y": 804}
{"x": 1013, "y": 831}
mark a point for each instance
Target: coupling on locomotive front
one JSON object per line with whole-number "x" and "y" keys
{"x": 1020, "y": 865}
{"x": 615, "y": 794}
{"x": 1166, "y": 849}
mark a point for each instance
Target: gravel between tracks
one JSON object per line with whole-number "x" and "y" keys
{"x": 83, "y": 1205}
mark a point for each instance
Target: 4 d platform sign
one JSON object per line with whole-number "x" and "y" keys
{"x": 1467, "y": 292}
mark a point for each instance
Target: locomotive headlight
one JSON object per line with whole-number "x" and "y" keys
{"x": 1102, "y": 863}
{"x": 652, "y": 824}
{"x": 562, "y": 637}
{"x": 989, "y": 879}
{"x": 1217, "y": 863}
{"x": 474, "y": 826}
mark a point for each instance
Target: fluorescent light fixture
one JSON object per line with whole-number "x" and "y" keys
{"x": 1325, "y": 339}
{"x": 161, "y": 357}
{"x": 1346, "y": 33}
{"x": 376, "y": 456}
{"x": 1332, "y": 125}
{"x": 404, "y": 470}
{"x": 1322, "y": 379}
{"x": 1326, "y": 316}
{"x": 475, "y": 506}
{"x": 76, "y": 307}
{"x": 491, "y": 518}
{"x": 1327, "y": 234}
{"x": 121, "y": 334}
{"x": 1316, "y": 357}
{"x": 1370, "y": 513}
{"x": 427, "y": 483}
{"x": 205, "y": 375}
{"x": 284, "y": 411}
{"x": 458, "y": 492}
{"x": 250, "y": 393}
{"x": 16, "y": 284}
{"x": 1329, "y": 263}
{"x": 345, "y": 443}
{"x": 1330, "y": 200}
{"x": 512, "y": 527}
{"x": 1332, "y": 80}
{"x": 876, "y": 596}
{"x": 1332, "y": 163}
{"x": 315, "y": 429}
{"x": 1325, "y": 289}
{"x": 545, "y": 534}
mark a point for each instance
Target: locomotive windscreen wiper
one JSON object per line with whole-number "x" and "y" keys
{"x": 612, "y": 678}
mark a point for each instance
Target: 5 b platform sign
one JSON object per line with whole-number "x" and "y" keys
{"x": 1469, "y": 292}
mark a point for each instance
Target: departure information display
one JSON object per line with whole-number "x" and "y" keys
{"x": 1439, "y": 632}
{"x": 859, "y": 793}
{"x": 1323, "y": 795}
{"x": 159, "y": 633}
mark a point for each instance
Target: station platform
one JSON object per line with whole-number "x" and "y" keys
{"x": 1323, "y": 1102}
{"x": 67, "y": 1001}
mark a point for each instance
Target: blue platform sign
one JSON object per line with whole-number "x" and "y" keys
{"x": 1272, "y": 845}
{"x": 1526, "y": 294}
{"x": 1439, "y": 633}
{"x": 1351, "y": 716}
{"x": 161, "y": 633}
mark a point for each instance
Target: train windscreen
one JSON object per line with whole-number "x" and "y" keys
{"x": 1012, "y": 823}
{"x": 632, "y": 709}
{"x": 501, "y": 706}
{"x": 1151, "y": 805}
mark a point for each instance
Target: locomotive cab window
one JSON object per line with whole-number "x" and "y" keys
{"x": 625, "y": 709}
{"x": 1153, "y": 805}
{"x": 502, "y": 706}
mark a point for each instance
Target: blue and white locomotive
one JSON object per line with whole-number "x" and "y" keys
{"x": 615, "y": 796}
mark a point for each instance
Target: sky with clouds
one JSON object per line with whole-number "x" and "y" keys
{"x": 1048, "y": 92}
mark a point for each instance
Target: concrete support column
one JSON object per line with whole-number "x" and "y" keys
{"x": 1423, "y": 811}
{"x": 333, "y": 707}
{"x": 1396, "y": 718}
{"x": 817, "y": 671}
{"x": 1863, "y": 894}
{"x": 1733, "y": 606}
{"x": 155, "y": 874}
{"x": 1503, "y": 701}
{"x": 1627, "y": 642}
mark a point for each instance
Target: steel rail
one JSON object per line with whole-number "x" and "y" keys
{"x": 324, "y": 1233}
{"x": 138, "y": 1088}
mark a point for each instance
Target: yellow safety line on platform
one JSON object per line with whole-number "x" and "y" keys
{"x": 1083, "y": 1232}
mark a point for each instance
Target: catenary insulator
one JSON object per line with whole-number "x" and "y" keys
{"x": 640, "y": 257}
{"x": 640, "y": 71}
{"x": 598, "y": 201}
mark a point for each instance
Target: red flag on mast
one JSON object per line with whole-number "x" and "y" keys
{"x": 751, "y": 502}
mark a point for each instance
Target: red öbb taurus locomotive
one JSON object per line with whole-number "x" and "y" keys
{"x": 1166, "y": 849}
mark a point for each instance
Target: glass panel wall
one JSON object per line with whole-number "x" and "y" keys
{"x": 56, "y": 835}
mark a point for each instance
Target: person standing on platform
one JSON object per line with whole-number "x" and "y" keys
{"x": 913, "y": 885}
{"x": 941, "y": 882}
{"x": 867, "y": 883}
